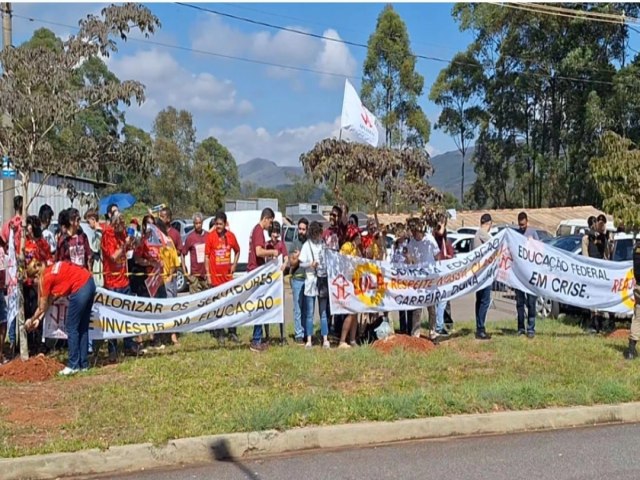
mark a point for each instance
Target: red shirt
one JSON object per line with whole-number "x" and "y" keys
{"x": 175, "y": 236}
{"x": 218, "y": 250}
{"x": 63, "y": 278}
{"x": 75, "y": 249}
{"x": 115, "y": 271}
{"x": 256, "y": 240}
{"x": 148, "y": 252}
{"x": 334, "y": 237}
{"x": 195, "y": 246}
{"x": 280, "y": 247}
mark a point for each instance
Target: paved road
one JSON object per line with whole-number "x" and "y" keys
{"x": 596, "y": 453}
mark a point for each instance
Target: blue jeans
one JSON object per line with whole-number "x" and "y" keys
{"x": 440, "y": 308}
{"x": 127, "y": 341}
{"x": 297, "y": 289}
{"x": 530, "y": 300}
{"x": 78, "y": 319}
{"x": 310, "y": 304}
{"x": 483, "y": 300}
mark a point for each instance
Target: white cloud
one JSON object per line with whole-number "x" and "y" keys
{"x": 283, "y": 147}
{"x": 168, "y": 83}
{"x": 433, "y": 151}
{"x": 283, "y": 47}
{"x": 335, "y": 57}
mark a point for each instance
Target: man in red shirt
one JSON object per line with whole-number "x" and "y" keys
{"x": 258, "y": 255}
{"x": 219, "y": 268}
{"x": 115, "y": 245}
{"x": 194, "y": 246}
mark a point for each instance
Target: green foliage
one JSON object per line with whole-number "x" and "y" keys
{"x": 617, "y": 175}
{"x": 383, "y": 172}
{"x": 548, "y": 98}
{"x": 391, "y": 86}
{"x": 456, "y": 91}
{"x": 223, "y": 163}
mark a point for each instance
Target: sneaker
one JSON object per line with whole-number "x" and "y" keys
{"x": 299, "y": 341}
{"x": 482, "y": 336}
{"x": 234, "y": 338}
{"x": 521, "y": 332}
{"x": 344, "y": 345}
{"x": 353, "y": 344}
{"x": 326, "y": 344}
{"x": 258, "y": 347}
{"x": 531, "y": 334}
{"x": 308, "y": 346}
{"x": 220, "y": 340}
{"x": 82, "y": 370}
{"x": 66, "y": 371}
{"x": 443, "y": 333}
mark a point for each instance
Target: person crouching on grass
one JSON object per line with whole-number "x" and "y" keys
{"x": 65, "y": 279}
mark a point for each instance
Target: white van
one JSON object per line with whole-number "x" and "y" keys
{"x": 577, "y": 226}
{"x": 241, "y": 224}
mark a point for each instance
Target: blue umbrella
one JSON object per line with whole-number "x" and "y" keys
{"x": 121, "y": 200}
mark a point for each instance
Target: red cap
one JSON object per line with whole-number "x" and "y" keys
{"x": 135, "y": 222}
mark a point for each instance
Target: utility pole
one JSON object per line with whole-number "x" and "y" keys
{"x": 8, "y": 184}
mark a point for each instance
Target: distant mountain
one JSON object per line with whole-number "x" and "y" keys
{"x": 265, "y": 173}
{"x": 448, "y": 171}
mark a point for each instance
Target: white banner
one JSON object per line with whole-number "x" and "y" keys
{"x": 11, "y": 281}
{"x": 537, "y": 268}
{"x": 254, "y": 299}
{"x": 357, "y": 285}
{"x": 356, "y": 118}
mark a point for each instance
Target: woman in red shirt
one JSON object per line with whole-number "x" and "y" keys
{"x": 65, "y": 279}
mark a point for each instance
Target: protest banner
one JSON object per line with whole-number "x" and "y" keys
{"x": 253, "y": 299}
{"x": 11, "y": 280}
{"x": 537, "y": 268}
{"x": 358, "y": 285}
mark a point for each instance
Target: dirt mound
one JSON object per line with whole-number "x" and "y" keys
{"x": 36, "y": 369}
{"x": 619, "y": 333}
{"x": 412, "y": 344}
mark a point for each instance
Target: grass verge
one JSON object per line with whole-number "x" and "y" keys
{"x": 200, "y": 389}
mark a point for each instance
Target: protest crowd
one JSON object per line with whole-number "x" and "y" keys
{"x": 141, "y": 258}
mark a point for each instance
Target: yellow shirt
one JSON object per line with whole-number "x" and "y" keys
{"x": 349, "y": 249}
{"x": 170, "y": 260}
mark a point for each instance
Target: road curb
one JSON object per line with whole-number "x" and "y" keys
{"x": 205, "y": 449}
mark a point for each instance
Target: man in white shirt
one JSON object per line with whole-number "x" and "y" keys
{"x": 422, "y": 249}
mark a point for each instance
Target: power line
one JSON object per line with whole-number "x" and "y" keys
{"x": 362, "y": 45}
{"x": 575, "y": 14}
{"x": 621, "y": 17}
{"x": 310, "y": 70}
{"x": 204, "y": 52}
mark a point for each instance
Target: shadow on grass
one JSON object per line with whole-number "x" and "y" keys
{"x": 220, "y": 452}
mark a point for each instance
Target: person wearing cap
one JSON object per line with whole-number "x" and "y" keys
{"x": 422, "y": 249}
{"x": 483, "y": 296}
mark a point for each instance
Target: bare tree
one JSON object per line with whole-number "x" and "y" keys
{"x": 40, "y": 95}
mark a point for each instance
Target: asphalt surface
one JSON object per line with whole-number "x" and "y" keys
{"x": 607, "y": 453}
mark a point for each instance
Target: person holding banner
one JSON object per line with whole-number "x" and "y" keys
{"x": 65, "y": 279}
{"x": 422, "y": 250}
{"x": 634, "y": 334}
{"x": 220, "y": 244}
{"x": 526, "y": 298}
{"x": 275, "y": 243}
{"x": 116, "y": 243}
{"x": 258, "y": 255}
{"x": 297, "y": 282}
{"x": 483, "y": 296}
{"x": 352, "y": 248}
{"x": 446, "y": 253}
{"x": 316, "y": 284}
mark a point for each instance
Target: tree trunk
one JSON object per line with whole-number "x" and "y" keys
{"x": 21, "y": 331}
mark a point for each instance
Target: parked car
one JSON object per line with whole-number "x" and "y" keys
{"x": 184, "y": 227}
{"x": 461, "y": 242}
{"x": 577, "y": 226}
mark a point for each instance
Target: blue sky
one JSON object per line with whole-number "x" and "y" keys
{"x": 258, "y": 110}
